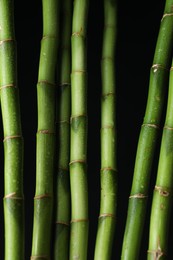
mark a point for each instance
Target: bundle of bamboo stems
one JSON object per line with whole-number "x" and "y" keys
{"x": 61, "y": 205}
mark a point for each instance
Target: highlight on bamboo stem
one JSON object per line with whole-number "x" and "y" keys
{"x": 106, "y": 223}
{"x": 78, "y": 135}
{"x": 13, "y": 141}
{"x": 62, "y": 196}
{"x": 162, "y": 197}
{"x": 45, "y": 142}
{"x": 148, "y": 136}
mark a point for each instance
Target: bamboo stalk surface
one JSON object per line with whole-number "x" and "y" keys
{"x": 106, "y": 223}
{"x": 148, "y": 136}
{"x": 162, "y": 197}
{"x": 45, "y": 155}
{"x": 63, "y": 202}
{"x": 13, "y": 141}
{"x": 78, "y": 136}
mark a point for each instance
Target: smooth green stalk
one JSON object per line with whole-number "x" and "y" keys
{"x": 43, "y": 200}
{"x": 148, "y": 136}
{"x": 78, "y": 151}
{"x": 162, "y": 198}
{"x": 106, "y": 224}
{"x": 63, "y": 206}
{"x": 13, "y": 141}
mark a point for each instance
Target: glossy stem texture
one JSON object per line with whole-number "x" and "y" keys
{"x": 148, "y": 137}
{"x": 107, "y": 217}
{"x": 78, "y": 151}
{"x": 43, "y": 200}
{"x": 162, "y": 197}
{"x": 63, "y": 202}
{"x": 13, "y": 141}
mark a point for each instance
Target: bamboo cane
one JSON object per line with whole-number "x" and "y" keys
{"x": 162, "y": 197}
{"x": 106, "y": 224}
{"x": 13, "y": 141}
{"x": 148, "y": 136}
{"x": 43, "y": 200}
{"x": 78, "y": 151}
{"x": 63, "y": 206}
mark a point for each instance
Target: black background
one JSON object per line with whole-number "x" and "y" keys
{"x": 138, "y": 26}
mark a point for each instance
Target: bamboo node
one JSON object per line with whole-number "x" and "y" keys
{"x": 78, "y": 33}
{"x": 108, "y": 169}
{"x": 11, "y": 85}
{"x": 65, "y": 84}
{"x": 62, "y": 223}
{"x": 7, "y": 40}
{"x": 35, "y": 257}
{"x": 45, "y": 131}
{"x": 63, "y": 169}
{"x": 62, "y": 122}
{"x": 108, "y": 25}
{"x": 11, "y": 137}
{"x": 78, "y": 71}
{"x": 156, "y": 253}
{"x": 151, "y": 125}
{"x": 138, "y": 196}
{"x": 77, "y": 161}
{"x": 167, "y": 127}
{"x": 104, "y": 215}
{"x": 155, "y": 67}
{"x": 171, "y": 69}
{"x": 76, "y": 116}
{"x": 42, "y": 196}
{"x": 165, "y": 15}
{"x": 42, "y": 82}
{"x": 49, "y": 37}
{"x": 79, "y": 220}
{"x": 107, "y": 127}
{"x": 108, "y": 94}
{"x": 13, "y": 196}
{"x": 162, "y": 191}
{"x": 107, "y": 58}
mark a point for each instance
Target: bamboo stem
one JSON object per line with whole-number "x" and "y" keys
{"x": 13, "y": 141}
{"x": 78, "y": 151}
{"x": 106, "y": 224}
{"x": 148, "y": 137}
{"x": 43, "y": 200}
{"x": 162, "y": 197}
{"x": 63, "y": 206}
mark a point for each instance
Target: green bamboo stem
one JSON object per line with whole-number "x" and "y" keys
{"x": 162, "y": 197}
{"x": 63, "y": 203}
{"x": 13, "y": 141}
{"x": 148, "y": 136}
{"x": 78, "y": 151}
{"x": 43, "y": 200}
{"x": 106, "y": 223}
